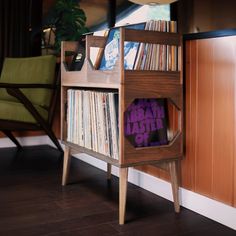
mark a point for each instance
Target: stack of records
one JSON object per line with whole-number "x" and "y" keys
{"x": 92, "y": 120}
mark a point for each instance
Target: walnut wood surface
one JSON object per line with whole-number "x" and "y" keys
{"x": 66, "y": 165}
{"x": 123, "y": 179}
{"x": 130, "y": 84}
{"x": 100, "y": 156}
{"x": 33, "y": 203}
{"x": 152, "y": 84}
{"x": 155, "y": 37}
{"x": 209, "y": 166}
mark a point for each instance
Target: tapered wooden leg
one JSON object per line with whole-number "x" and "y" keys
{"x": 12, "y": 138}
{"x": 122, "y": 194}
{"x": 108, "y": 171}
{"x": 174, "y": 184}
{"x": 66, "y": 165}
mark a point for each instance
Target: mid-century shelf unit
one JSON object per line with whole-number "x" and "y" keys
{"x": 130, "y": 84}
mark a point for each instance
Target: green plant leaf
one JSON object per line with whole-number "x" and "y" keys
{"x": 69, "y": 20}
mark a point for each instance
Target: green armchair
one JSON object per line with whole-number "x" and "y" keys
{"x": 28, "y": 93}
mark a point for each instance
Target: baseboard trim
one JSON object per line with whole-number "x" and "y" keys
{"x": 207, "y": 207}
{"x": 25, "y": 141}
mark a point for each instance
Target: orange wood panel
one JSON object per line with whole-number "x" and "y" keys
{"x": 152, "y": 170}
{"x": 188, "y": 162}
{"x": 163, "y": 174}
{"x": 204, "y": 109}
{"x": 224, "y": 50}
{"x": 234, "y": 197}
{"x": 210, "y": 118}
{"x": 155, "y": 171}
{"x": 209, "y": 166}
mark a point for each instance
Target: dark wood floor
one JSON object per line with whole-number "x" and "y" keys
{"x": 32, "y": 202}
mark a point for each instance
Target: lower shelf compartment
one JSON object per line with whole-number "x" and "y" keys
{"x": 170, "y": 166}
{"x": 78, "y": 149}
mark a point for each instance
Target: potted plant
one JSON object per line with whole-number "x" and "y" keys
{"x": 67, "y": 20}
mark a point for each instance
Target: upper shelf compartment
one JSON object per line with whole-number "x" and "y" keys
{"x": 88, "y": 76}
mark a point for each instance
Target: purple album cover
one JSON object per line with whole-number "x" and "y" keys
{"x": 146, "y": 122}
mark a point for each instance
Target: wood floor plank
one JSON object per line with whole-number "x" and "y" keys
{"x": 33, "y": 202}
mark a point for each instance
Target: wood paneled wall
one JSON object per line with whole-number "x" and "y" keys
{"x": 209, "y": 166}
{"x": 206, "y": 15}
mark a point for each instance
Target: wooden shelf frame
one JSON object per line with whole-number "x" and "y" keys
{"x": 130, "y": 84}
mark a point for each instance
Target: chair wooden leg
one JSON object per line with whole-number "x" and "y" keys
{"x": 174, "y": 184}
{"x": 12, "y": 138}
{"x": 108, "y": 171}
{"x": 29, "y": 106}
{"x": 53, "y": 138}
{"x": 122, "y": 194}
{"x": 66, "y": 165}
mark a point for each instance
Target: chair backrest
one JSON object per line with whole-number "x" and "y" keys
{"x": 31, "y": 70}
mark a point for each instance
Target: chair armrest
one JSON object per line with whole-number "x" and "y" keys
{"x": 47, "y": 86}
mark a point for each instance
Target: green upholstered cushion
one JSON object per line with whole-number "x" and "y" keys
{"x": 15, "y": 111}
{"x": 31, "y": 70}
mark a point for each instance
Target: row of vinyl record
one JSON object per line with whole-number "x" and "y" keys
{"x": 137, "y": 56}
{"x": 158, "y": 56}
{"x": 92, "y": 120}
{"x": 141, "y": 56}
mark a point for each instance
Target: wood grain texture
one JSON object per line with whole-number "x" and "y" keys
{"x": 63, "y": 113}
{"x": 155, "y": 37}
{"x": 94, "y": 41}
{"x": 209, "y": 167}
{"x": 172, "y": 131}
{"x": 174, "y": 184}
{"x": 122, "y": 194}
{"x": 66, "y": 165}
{"x": 204, "y": 111}
{"x": 89, "y": 77}
{"x": 205, "y": 16}
{"x": 173, "y": 124}
{"x": 122, "y": 107}
{"x": 155, "y": 171}
{"x": 153, "y": 84}
{"x": 234, "y": 180}
{"x": 148, "y": 155}
{"x": 188, "y": 164}
{"x": 109, "y": 171}
{"x": 34, "y": 203}
{"x": 223, "y": 117}
{"x": 90, "y": 152}
{"x": 130, "y": 85}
